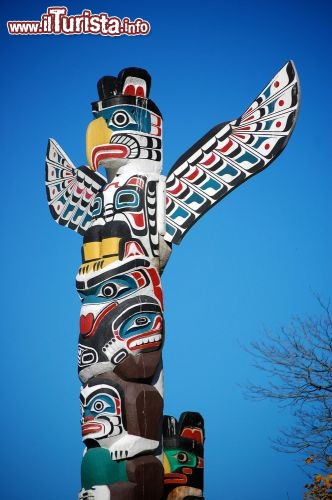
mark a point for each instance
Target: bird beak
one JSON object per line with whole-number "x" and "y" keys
{"x": 97, "y": 134}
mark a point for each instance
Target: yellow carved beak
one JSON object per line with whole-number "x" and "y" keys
{"x": 167, "y": 467}
{"x": 97, "y": 134}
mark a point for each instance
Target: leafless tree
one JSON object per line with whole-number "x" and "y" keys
{"x": 298, "y": 365}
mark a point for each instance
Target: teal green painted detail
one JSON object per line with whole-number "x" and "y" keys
{"x": 211, "y": 183}
{"x": 195, "y": 198}
{"x": 268, "y": 124}
{"x": 228, "y": 170}
{"x": 180, "y": 212}
{"x": 170, "y": 229}
{"x": 267, "y": 92}
{"x": 179, "y": 458}
{"x": 98, "y": 468}
{"x": 247, "y": 157}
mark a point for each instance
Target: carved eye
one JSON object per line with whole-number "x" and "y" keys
{"x": 109, "y": 290}
{"x": 182, "y": 457}
{"x": 99, "y": 406}
{"x": 112, "y": 290}
{"x": 139, "y": 322}
{"x": 121, "y": 119}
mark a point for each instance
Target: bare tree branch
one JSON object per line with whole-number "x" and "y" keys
{"x": 297, "y": 362}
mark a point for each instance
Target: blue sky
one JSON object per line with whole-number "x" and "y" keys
{"x": 254, "y": 261}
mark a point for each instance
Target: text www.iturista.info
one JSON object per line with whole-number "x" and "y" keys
{"x": 56, "y": 22}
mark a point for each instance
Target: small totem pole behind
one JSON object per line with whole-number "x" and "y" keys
{"x": 128, "y": 222}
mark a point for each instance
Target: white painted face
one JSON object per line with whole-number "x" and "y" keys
{"x": 101, "y": 413}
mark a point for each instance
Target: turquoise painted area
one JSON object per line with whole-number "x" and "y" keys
{"x": 99, "y": 469}
{"x": 178, "y": 458}
{"x": 137, "y": 324}
{"x": 259, "y": 141}
{"x": 134, "y": 118}
{"x": 97, "y": 207}
{"x": 170, "y": 229}
{"x": 247, "y": 157}
{"x": 79, "y": 212}
{"x": 112, "y": 289}
{"x": 100, "y": 404}
{"x": 267, "y": 92}
{"x": 228, "y": 170}
{"x": 126, "y": 198}
{"x": 271, "y": 106}
{"x": 180, "y": 212}
{"x": 195, "y": 198}
{"x": 268, "y": 124}
{"x": 211, "y": 184}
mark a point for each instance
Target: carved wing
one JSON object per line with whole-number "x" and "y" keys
{"x": 70, "y": 191}
{"x": 231, "y": 153}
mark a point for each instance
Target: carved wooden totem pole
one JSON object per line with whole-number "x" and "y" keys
{"x": 128, "y": 221}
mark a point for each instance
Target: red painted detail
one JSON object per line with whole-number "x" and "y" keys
{"x": 117, "y": 406}
{"x": 240, "y": 136}
{"x": 91, "y": 428}
{"x": 193, "y": 433}
{"x": 138, "y": 218}
{"x": 200, "y": 463}
{"x": 88, "y": 195}
{"x": 97, "y": 321}
{"x": 175, "y": 478}
{"x": 176, "y": 190}
{"x": 86, "y": 323}
{"x": 152, "y": 272}
{"x": 157, "y": 126}
{"x": 210, "y": 160}
{"x": 250, "y": 118}
{"x": 276, "y": 84}
{"x": 136, "y": 181}
{"x": 187, "y": 470}
{"x": 129, "y": 90}
{"x": 244, "y": 128}
{"x": 52, "y": 173}
{"x": 278, "y": 124}
{"x": 133, "y": 248}
{"x": 140, "y": 91}
{"x": 267, "y": 146}
{"x": 248, "y": 110}
{"x": 193, "y": 174}
{"x": 79, "y": 190}
{"x": 226, "y": 147}
{"x": 58, "y": 208}
{"x": 100, "y": 153}
{"x": 114, "y": 185}
{"x": 155, "y": 330}
{"x": 281, "y": 102}
{"x": 137, "y": 275}
{"x": 53, "y": 192}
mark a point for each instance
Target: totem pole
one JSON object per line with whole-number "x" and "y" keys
{"x": 128, "y": 221}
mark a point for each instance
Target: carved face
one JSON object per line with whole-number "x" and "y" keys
{"x": 182, "y": 467}
{"x": 124, "y": 134}
{"x": 127, "y": 128}
{"x": 102, "y": 292}
{"x": 122, "y": 332}
{"x": 140, "y": 327}
{"x": 101, "y": 412}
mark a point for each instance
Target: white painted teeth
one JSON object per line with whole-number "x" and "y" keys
{"x": 146, "y": 340}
